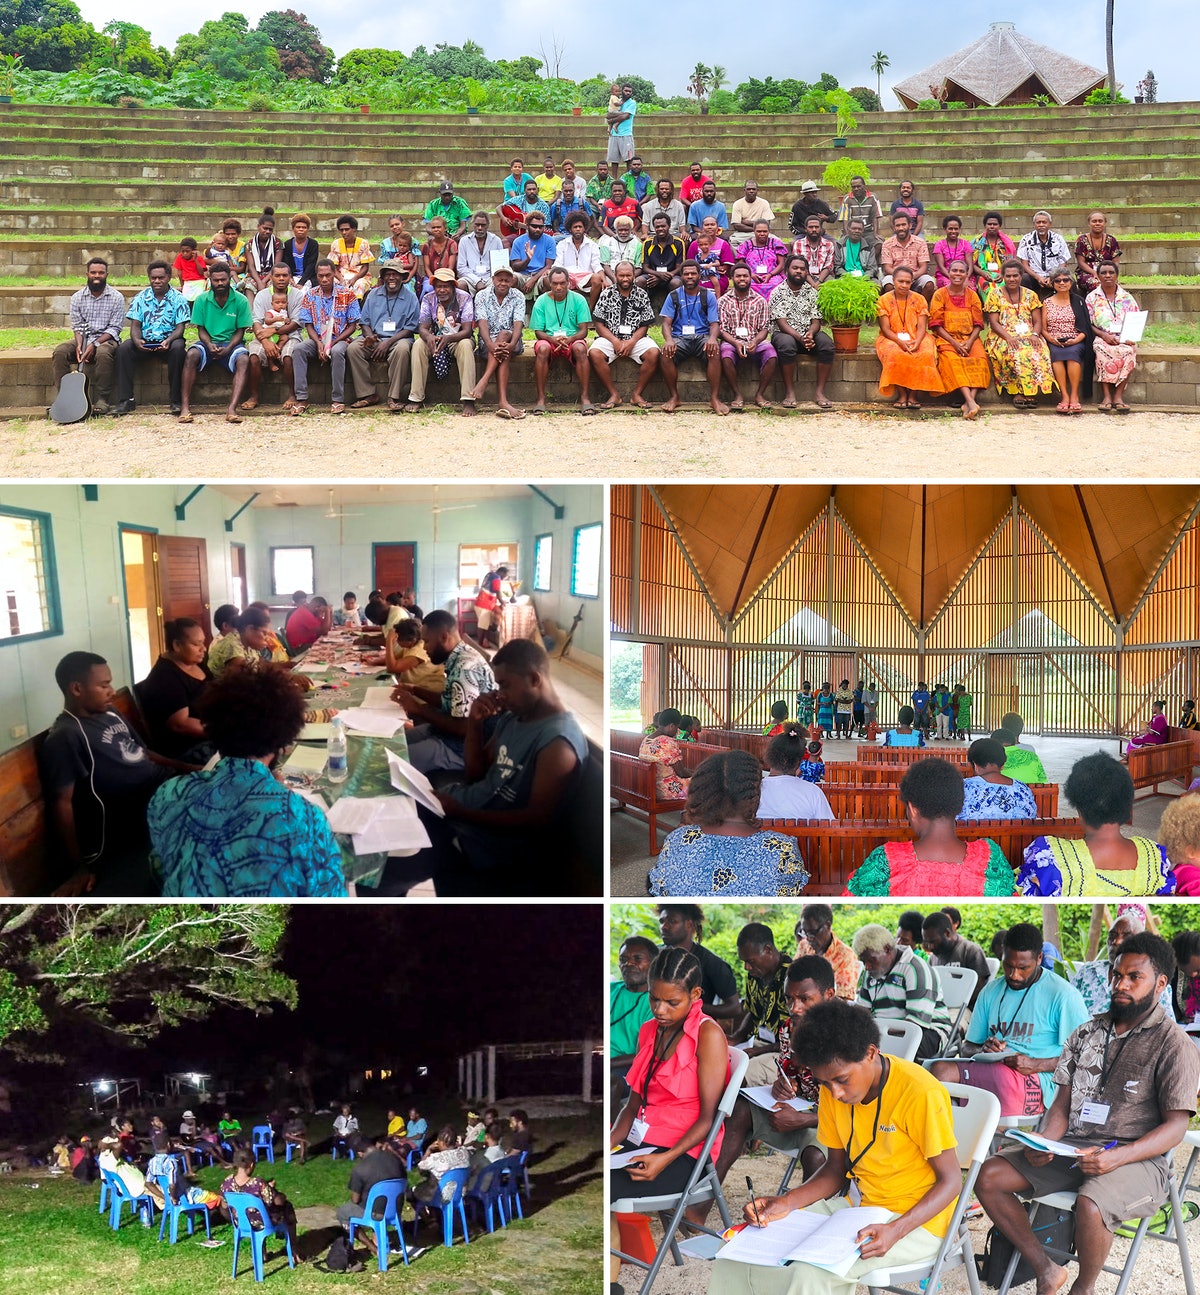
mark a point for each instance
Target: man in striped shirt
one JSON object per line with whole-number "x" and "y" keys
{"x": 897, "y": 985}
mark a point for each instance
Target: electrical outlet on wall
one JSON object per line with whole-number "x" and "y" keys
{"x": 18, "y": 731}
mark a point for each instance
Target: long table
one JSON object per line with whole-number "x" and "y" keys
{"x": 366, "y": 757}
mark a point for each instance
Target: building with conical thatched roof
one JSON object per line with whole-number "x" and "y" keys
{"x": 1002, "y": 67}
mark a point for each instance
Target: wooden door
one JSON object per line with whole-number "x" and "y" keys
{"x": 183, "y": 579}
{"x": 395, "y": 567}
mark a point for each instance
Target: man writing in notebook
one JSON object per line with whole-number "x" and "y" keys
{"x": 887, "y": 1125}
{"x": 1126, "y": 1085}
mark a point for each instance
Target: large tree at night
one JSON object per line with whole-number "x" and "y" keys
{"x": 135, "y": 970}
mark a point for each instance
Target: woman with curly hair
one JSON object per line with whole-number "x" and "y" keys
{"x": 1105, "y": 864}
{"x": 660, "y": 748}
{"x": 935, "y": 862}
{"x": 233, "y": 830}
{"x": 720, "y": 849}
{"x": 1179, "y": 836}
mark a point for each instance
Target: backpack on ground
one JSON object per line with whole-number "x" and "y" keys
{"x": 1054, "y": 1229}
{"x": 340, "y": 1259}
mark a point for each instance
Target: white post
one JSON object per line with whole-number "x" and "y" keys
{"x": 587, "y": 1070}
{"x": 491, "y": 1075}
{"x": 479, "y": 1075}
{"x": 460, "y": 1074}
{"x": 470, "y": 1089}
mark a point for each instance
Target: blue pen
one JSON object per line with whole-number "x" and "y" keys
{"x": 1108, "y": 1146}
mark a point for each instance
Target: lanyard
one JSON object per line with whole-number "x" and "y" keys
{"x": 560, "y": 310}
{"x": 689, "y": 306}
{"x": 387, "y": 305}
{"x": 854, "y": 1160}
{"x": 656, "y": 1064}
{"x": 1005, "y": 1030}
{"x": 1105, "y": 1069}
{"x": 741, "y": 317}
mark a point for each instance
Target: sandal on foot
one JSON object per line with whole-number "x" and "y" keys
{"x": 587, "y": 410}
{"x": 337, "y": 408}
{"x": 365, "y": 403}
{"x": 300, "y": 407}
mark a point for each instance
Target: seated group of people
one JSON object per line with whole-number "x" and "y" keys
{"x": 201, "y": 807}
{"x": 810, "y": 1036}
{"x": 722, "y": 849}
{"x": 723, "y": 287}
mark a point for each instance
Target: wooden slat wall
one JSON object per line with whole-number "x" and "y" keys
{"x": 621, "y": 557}
{"x": 1171, "y": 613}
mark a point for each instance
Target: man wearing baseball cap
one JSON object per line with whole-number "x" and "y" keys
{"x": 807, "y": 205}
{"x": 454, "y": 210}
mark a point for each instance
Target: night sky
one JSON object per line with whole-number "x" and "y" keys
{"x": 401, "y": 985}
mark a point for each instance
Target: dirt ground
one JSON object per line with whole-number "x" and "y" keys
{"x": 621, "y": 445}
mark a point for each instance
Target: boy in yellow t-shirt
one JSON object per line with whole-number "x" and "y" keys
{"x": 886, "y": 1123}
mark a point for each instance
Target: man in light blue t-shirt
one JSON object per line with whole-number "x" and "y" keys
{"x": 620, "y": 128}
{"x": 1028, "y": 1012}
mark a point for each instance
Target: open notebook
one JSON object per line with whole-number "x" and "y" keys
{"x": 823, "y": 1240}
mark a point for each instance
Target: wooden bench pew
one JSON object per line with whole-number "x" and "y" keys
{"x": 632, "y": 787}
{"x": 880, "y": 802}
{"x": 1189, "y": 735}
{"x": 870, "y": 753}
{"x": 1150, "y": 766}
{"x": 736, "y": 740}
{"x": 832, "y": 851}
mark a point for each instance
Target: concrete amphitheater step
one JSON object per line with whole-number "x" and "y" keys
{"x": 1166, "y": 377}
{"x": 48, "y": 307}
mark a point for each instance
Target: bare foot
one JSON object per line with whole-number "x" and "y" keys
{"x": 477, "y": 391}
{"x": 468, "y": 409}
{"x": 719, "y": 407}
{"x": 1054, "y": 1280}
{"x": 612, "y": 402}
{"x": 671, "y": 406}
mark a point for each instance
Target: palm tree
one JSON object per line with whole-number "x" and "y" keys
{"x": 878, "y": 63}
{"x": 703, "y": 81}
{"x": 1108, "y": 42}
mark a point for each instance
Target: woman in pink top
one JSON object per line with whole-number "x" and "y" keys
{"x": 676, "y": 1080}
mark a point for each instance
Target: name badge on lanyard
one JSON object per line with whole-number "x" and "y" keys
{"x": 639, "y": 1132}
{"x": 1094, "y": 1112}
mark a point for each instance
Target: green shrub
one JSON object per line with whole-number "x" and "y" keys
{"x": 1101, "y": 98}
{"x": 929, "y": 105}
{"x": 838, "y": 174}
{"x": 867, "y": 98}
{"x": 847, "y": 301}
{"x": 259, "y": 102}
{"x": 957, "y": 104}
{"x": 775, "y": 104}
{"x": 723, "y": 101}
{"x": 1043, "y": 101}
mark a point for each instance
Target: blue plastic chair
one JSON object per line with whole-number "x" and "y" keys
{"x": 345, "y": 1146}
{"x": 288, "y": 1148}
{"x": 183, "y": 1210}
{"x": 524, "y": 1174}
{"x": 391, "y": 1192}
{"x": 239, "y": 1204}
{"x": 487, "y": 1192}
{"x": 103, "y": 1192}
{"x": 457, "y": 1178}
{"x": 120, "y": 1195}
{"x": 262, "y": 1138}
{"x": 510, "y": 1185}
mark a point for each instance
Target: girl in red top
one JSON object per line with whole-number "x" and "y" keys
{"x": 676, "y": 1080}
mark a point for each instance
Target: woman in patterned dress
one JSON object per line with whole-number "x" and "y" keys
{"x": 764, "y": 254}
{"x": 720, "y": 849}
{"x": 956, "y": 321}
{"x": 988, "y": 793}
{"x": 660, "y": 749}
{"x": 1105, "y": 864}
{"x": 1094, "y": 245}
{"x": 1115, "y": 360}
{"x": 352, "y": 257}
{"x": 1068, "y": 332}
{"x": 1014, "y": 343}
{"x": 713, "y": 255}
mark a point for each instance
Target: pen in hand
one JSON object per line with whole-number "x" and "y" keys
{"x": 783, "y": 1074}
{"x": 1108, "y": 1146}
{"x": 753, "y": 1201}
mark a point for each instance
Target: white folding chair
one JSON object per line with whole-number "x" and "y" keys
{"x": 1190, "y": 1139}
{"x": 975, "y": 1113}
{"x": 993, "y": 966}
{"x": 702, "y": 1187}
{"x": 957, "y": 985}
{"x": 900, "y": 1038}
{"x": 1173, "y": 1236}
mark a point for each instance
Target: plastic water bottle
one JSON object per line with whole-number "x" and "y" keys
{"x": 335, "y": 752}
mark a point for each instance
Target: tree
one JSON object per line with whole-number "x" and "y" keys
{"x": 228, "y": 47}
{"x": 51, "y": 35}
{"x": 1108, "y": 49}
{"x": 367, "y": 64}
{"x": 135, "y": 970}
{"x": 302, "y": 56}
{"x": 868, "y": 100}
{"x": 133, "y": 51}
{"x": 703, "y": 81}
{"x": 878, "y": 64}
{"x": 643, "y": 90}
{"x": 525, "y": 68}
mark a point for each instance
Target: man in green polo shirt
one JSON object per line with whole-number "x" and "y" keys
{"x": 560, "y": 322}
{"x": 454, "y": 210}
{"x": 221, "y": 317}
{"x": 629, "y": 999}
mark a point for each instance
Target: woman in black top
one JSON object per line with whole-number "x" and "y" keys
{"x": 300, "y": 252}
{"x": 169, "y": 693}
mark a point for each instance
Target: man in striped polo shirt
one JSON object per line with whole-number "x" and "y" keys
{"x": 897, "y": 985}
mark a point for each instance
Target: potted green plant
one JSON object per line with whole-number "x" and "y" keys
{"x": 845, "y": 105}
{"x": 10, "y": 65}
{"x": 845, "y": 305}
{"x": 476, "y": 93}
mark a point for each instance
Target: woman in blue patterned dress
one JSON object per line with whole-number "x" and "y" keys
{"x": 825, "y": 709}
{"x": 720, "y": 850}
{"x": 989, "y": 794}
{"x": 233, "y": 830}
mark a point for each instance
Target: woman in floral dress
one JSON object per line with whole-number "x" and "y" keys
{"x": 660, "y": 749}
{"x": 1115, "y": 360}
{"x": 352, "y": 257}
{"x": 1014, "y": 343}
{"x": 764, "y": 254}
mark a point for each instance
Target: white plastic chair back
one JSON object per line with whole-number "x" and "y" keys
{"x": 976, "y": 1115}
{"x": 993, "y": 966}
{"x": 958, "y": 984}
{"x": 900, "y": 1038}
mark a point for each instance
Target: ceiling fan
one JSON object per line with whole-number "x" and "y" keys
{"x": 447, "y": 508}
{"x": 334, "y": 514}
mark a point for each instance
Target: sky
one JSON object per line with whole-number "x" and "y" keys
{"x": 842, "y": 40}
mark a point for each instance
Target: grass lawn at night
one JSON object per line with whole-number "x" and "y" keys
{"x": 54, "y": 1240}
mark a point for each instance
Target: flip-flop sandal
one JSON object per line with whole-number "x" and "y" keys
{"x": 1063, "y": 407}
{"x": 588, "y": 410}
{"x": 298, "y": 409}
{"x": 186, "y": 418}
{"x": 248, "y": 404}
{"x": 337, "y": 408}
{"x": 365, "y": 403}
{"x": 824, "y": 404}
{"x": 232, "y": 418}
{"x": 914, "y": 404}
{"x": 537, "y": 413}
{"x": 1122, "y": 409}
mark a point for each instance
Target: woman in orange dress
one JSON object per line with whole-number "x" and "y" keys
{"x": 956, "y": 321}
{"x": 904, "y": 347}
{"x": 352, "y": 257}
{"x": 660, "y": 749}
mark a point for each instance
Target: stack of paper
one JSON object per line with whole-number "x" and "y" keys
{"x": 823, "y": 1240}
{"x": 305, "y": 760}
{"x": 376, "y": 723}
{"x": 315, "y": 733}
{"x": 988, "y": 1056}
{"x": 379, "y": 824}
{"x": 381, "y": 699}
{"x": 623, "y": 1159}
{"x": 760, "y": 1095}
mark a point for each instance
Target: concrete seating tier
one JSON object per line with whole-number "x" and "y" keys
{"x": 368, "y": 195}
{"x": 1165, "y": 378}
{"x": 65, "y": 258}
